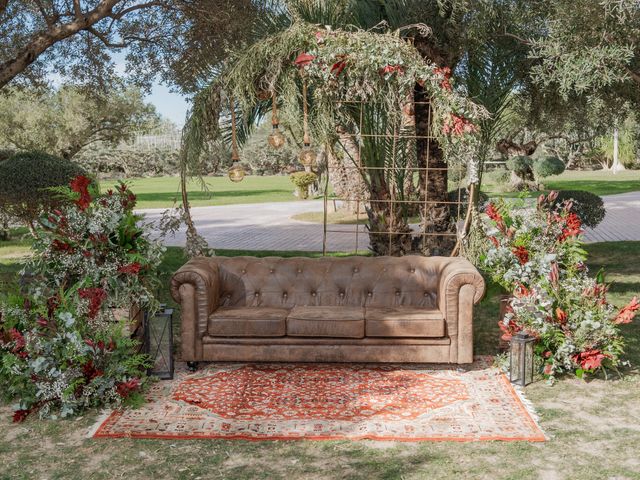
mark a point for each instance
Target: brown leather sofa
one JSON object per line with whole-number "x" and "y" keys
{"x": 350, "y": 309}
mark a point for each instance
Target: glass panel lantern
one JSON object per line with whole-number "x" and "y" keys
{"x": 307, "y": 156}
{"x": 521, "y": 362}
{"x": 159, "y": 342}
{"x": 276, "y": 139}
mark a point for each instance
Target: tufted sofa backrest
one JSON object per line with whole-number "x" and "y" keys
{"x": 329, "y": 281}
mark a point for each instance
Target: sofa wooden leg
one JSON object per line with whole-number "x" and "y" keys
{"x": 192, "y": 366}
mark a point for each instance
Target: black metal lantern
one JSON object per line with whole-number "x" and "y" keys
{"x": 158, "y": 340}
{"x": 521, "y": 362}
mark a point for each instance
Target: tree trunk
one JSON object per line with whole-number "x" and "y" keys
{"x": 436, "y": 221}
{"x": 347, "y": 182}
{"x": 617, "y": 166}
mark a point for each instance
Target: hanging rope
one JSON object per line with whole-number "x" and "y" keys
{"x": 235, "y": 156}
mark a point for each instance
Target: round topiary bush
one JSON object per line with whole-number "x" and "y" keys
{"x": 302, "y": 181}
{"x": 25, "y": 179}
{"x": 588, "y": 206}
{"x": 547, "y": 166}
{"x": 520, "y": 165}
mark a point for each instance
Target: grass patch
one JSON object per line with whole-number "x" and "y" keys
{"x": 162, "y": 192}
{"x": 593, "y": 425}
{"x": 599, "y": 182}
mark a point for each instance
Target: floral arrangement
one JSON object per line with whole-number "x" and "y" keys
{"x": 57, "y": 360}
{"x": 537, "y": 256}
{"x": 97, "y": 244}
{"x": 61, "y": 347}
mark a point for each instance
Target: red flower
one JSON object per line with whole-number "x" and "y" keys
{"x": 446, "y": 73}
{"x": 338, "y": 67}
{"x": 20, "y": 415}
{"x": 52, "y": 304}
{"x": 320, "y": 36}
{"x": 522, "y": 254}
{"x": 561, "y": 316}
{"x": 521, "y": 291}
{"x": 61, "y": 246}
{"x": 95, "y": 296}
{"x": 90, "y": 371}
{"x": 572, "y": 227}
{"x": 509, "y": 330}
{"x": 391, "y": 69}
{"x": 458, "y": 125}
{"x": 43, "y": 322}
{"x": 80, "y": 185}
{"x": 548, "y": 369}
{"x": 124, "y": 389}
{"x": 495, "y": 242}
{"x": 131, "y": 268}
{"x": 547, "y": 354}
{"x": 19, "y": 340}
{"x": 628, "y": 312}
{"x": 589, "y": 359}
{"x": 303, "y": 60}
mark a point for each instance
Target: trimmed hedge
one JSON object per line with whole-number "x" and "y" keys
{"x": 588, "y": 206}
{"x": 25, "y": 179}
{"x": 547, "y": 166}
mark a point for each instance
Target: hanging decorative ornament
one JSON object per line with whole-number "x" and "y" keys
{"x": 307, "y": 155}
{"x": 276, "y": 139}
{"x": 236, "y": 172}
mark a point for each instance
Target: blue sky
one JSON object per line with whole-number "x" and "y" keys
{"x": 169, "y": 104}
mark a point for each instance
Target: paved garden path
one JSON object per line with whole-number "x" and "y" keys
{"x": 268, "y": 226}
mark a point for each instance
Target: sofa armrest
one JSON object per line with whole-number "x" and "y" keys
{"x": 202, "y": 274}
{"x": 460, "y": 287}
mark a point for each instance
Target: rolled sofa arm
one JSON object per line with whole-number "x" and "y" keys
{"x": 195, "y": 287}
{"x": 460, "y": 287}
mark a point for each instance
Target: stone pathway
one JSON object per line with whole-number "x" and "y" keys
{"x": 268, "y": 226}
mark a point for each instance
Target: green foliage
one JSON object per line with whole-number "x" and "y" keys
{"x": 547, "y": 166}
{"x": 25, "y": 179}
{"x": 588, "y": 206}
{"x": 460, "y": 202}
{"x": 66, "y": 120}
{"x": 6, "y": 153}
{"x": 302, "y": 181}
{"x": 628, "y": 145}
{"x": 521, "y": 165}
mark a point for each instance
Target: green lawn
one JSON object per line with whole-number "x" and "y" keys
{"x": 594, "y": 426}
{"x": 598, "y": 182}
{"x": 162, "y": 192}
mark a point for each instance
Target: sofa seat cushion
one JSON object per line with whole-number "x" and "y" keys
{"x": 338, "y": 322}
{"x": 404, "y": 322}
{"x": 248, "y": 322}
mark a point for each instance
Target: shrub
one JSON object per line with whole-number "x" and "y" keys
{"x": 5, "y": 154}
{"x": 302, "y": 181}
{"x": 547, "y": 166}
{"x": 520, "y": 165}
{"x": 588, "y": 206}
{"x": 25, "y": 179}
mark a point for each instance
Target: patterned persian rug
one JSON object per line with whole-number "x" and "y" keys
{"x": 331, "y": 401}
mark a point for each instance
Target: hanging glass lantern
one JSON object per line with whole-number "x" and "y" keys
{"x": 276, "y": 139}
{"x": 521, "y": 362}
{"x": 307, "y": 156}
{"x": 237, "y": 171}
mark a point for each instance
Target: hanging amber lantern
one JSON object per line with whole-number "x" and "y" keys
{"x": 307, "y": 155}
{"x": 276, "y": 139}
{"x": 237, "y": 171}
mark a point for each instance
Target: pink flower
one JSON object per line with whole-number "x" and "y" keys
{"x": 446, "y": 73}
{"x": 390, "y": 69}
{"x": 548, "y": 369}
{"x": 628, "y": 312}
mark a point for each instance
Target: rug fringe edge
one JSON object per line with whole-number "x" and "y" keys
{"x": 100, "y": 419}
{"x": 530, "y": 408}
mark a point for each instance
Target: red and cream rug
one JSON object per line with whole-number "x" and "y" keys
{"x": 330, "y": 401}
